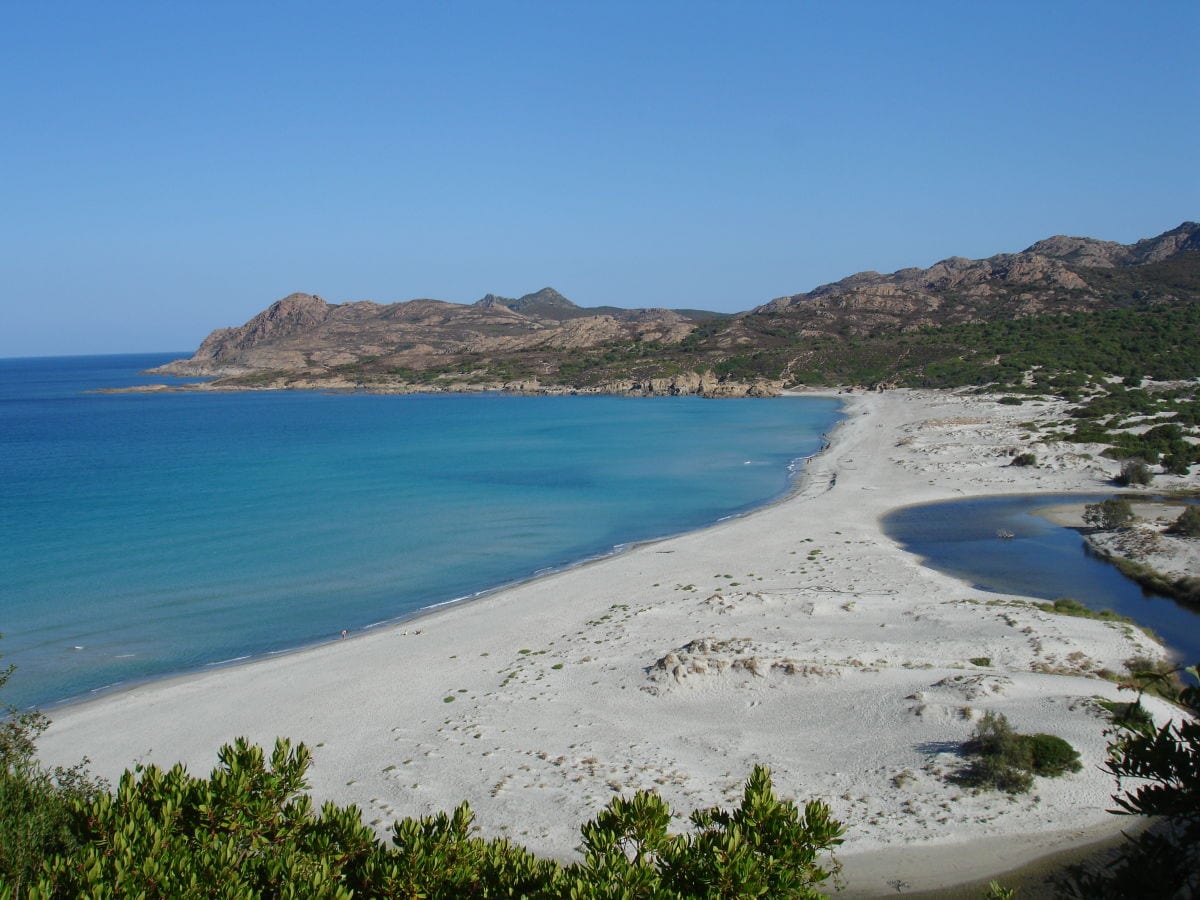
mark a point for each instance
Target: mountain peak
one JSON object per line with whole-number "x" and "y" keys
{"x": 546, "y": 303}
{"x": 548, "y": 295}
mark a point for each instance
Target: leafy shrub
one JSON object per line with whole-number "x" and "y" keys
{"x": 1128, "y": 715}
{"x": 1134, "y": 472}
{"x": 1007, "y": 761}
{"x": 1002, "y": 761}
{"x": 1158, "y": 771}
{"x": 249, "y": 830}
{"x": 765, "y": 848}
{"x": 37, "y": 804}
{"x": 1110, "y": 514}
{"x": 1177, "y": 463}
{"x": 1050, "y": 755}
{"x": 1024, "y": 459}
{"x": 1188, "y": 523}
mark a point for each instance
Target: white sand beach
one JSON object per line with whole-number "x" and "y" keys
{"x": 799, "y": 636}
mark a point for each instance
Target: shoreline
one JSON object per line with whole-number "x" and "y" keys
{"x": 644, "y": 669}
{"x": 795, "y": 486}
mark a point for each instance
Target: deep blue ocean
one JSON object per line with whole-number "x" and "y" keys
{"x": 148, "y": 534}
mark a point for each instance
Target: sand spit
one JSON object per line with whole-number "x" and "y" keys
{"x": 799, "y": 636}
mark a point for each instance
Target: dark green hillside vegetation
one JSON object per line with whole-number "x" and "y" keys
{"x": 1064, "y": 352}
{"x": 1132, "y": 321}
{"x": 1047, "y": 355}
{"x": 1142, "y": 321}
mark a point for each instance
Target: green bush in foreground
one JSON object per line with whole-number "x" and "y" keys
{"x": 37, "y": 804}
{"x": 249, "y": 830}
{"x": 1158, "y": 773}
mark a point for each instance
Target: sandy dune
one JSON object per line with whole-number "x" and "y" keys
{"x": 799, "y": 636}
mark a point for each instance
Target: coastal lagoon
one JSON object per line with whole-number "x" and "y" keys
{"x": 1041, "y": 559}
{"x": 150, "y": 534}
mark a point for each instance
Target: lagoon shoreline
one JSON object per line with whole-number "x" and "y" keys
{"x": 794, "y": 635}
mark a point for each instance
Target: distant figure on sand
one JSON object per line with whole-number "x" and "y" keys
{"x": 343, "y": 634}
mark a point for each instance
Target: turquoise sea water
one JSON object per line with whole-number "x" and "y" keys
{"x": 142, "y": 535}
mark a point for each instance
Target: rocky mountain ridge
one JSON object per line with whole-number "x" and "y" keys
{"x": 1044, "y": 278}
{"x": 302, "y": 333}
{"x": 542, "y": 342}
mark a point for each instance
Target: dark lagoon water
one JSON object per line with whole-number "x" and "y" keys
{"x": 1041, "y": 560}
{"x": 149, "y": 534}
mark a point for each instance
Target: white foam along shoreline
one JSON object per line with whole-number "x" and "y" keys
{"x": 798, "y": 636}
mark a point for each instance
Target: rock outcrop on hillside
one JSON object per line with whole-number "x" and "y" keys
{"x": 1048, "y": 277}
{"x": 1102, "y": 254}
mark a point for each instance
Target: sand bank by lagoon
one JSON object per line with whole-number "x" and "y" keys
{"x": 799, "y": 636}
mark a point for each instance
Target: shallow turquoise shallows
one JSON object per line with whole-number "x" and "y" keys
{"x": 147, "y": 534}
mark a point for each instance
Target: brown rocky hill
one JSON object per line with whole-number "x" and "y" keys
{"x": 1049, "y": 277}
{"x": 303, "y": 334}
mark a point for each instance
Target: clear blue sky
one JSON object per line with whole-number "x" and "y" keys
{"x": 168, "y": 168}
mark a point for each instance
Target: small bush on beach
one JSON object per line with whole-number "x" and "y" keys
{"x": 1109, "y": 515}
{"x": 1001, "y": 761}
{"x": 1188, "y": 523}
{"x": 1050, "y": 755}
{"x": 1007, "y": 761}
{"x": 1024, "y": 459}
{"x": 1134, "y": 472}
{"x": 1177, "y": 463}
